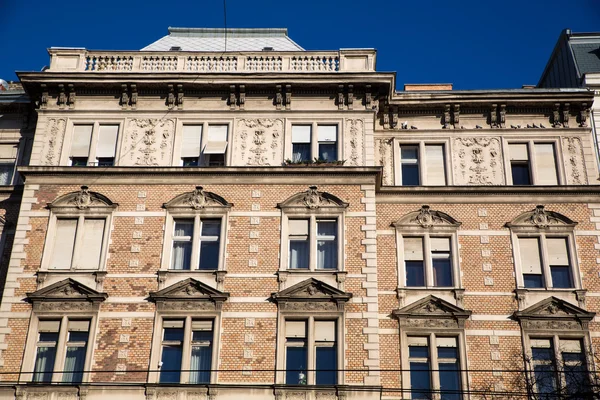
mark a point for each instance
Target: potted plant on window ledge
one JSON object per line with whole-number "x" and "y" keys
{"x": 316, "y": 162}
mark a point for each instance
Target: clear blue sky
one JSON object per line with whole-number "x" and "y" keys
{"x": 474, "y": 44}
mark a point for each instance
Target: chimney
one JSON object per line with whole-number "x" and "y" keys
{"x": 416, "y": 87}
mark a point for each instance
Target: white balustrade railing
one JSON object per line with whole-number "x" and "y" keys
{"x": 65, "y": 60}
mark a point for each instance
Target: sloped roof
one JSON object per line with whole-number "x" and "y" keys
{"x": 213, "y": 39}
{"x": 587, "y": 56}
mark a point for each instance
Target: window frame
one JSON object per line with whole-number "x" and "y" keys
{"x": 70, "y": 129}
{"x": 20, "y": 147}
{"x": 531, "y": 142}
{"x": 314, "y": 136}
{"x": 432, "y": 335}
{"x": 30, "y": 357}
{"x": 187, "y": 316}
{"x": 422, "y": 171}
{"x": 177, "y": 160}
{"x": 546, "y": 273}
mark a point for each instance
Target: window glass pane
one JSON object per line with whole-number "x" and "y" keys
{"x": 74, "y": 364}
{"x": 209, "y": 255}
{"x": 410, "y": 175}
{"x": 300, "y": 152}
{"x": 200, "y": 364}
{"x": 442, "y": 272}
{"x": 447, "y": 352}
{"x": 561, "y": 277}
{"x": 107, "y": 141}
{"x": 190, "y": 161}
{"x": 91, "y": 246}
{"x": 44, "y": 362}
{"x": 533, "y": 280}
{"x": 545, "y": 164}
{"x": 328, "y": 151}
{"x": 420, "y": 380}
{"x": 435, "y": 165}
{"x": 409, "y": 153}
{"x": 173, "y": 334}
{"x": 520, "y": 173}
{"x": 415, "y": 273}
{"x": 545, "y": 380}
{"x": 211, "y": 227}
{"x": 190, "y": 143}
{"x": 295, "y": 365}
{"x": 184, "y": 227}
{"x": 6, "y": 173}
{"x": 170, "y": 370}
{"x": 182, "y": 255}
{"x": 82, "y": 135}
{"x": 299, "y": 254}
{"x": 79, "y": 161}
{"x": 64, "y": 242}
{"x": 327, "y": 248}
{"x": 326, "y": 366}
{"x": 449, "y": 381}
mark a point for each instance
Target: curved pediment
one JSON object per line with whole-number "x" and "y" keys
{"x": 311, "y": 295}
{"x": 197, "y": 199}
{"x": 82, "y": 200}
{"x": 313, "y": 199}
{"x": 540, "y": 218}
{"x": 426, "y": 218}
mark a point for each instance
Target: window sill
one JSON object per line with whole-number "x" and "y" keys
{"x": 219, "y": 275}
{"x": 43, "y": 275}
{"x": 529, "y": 296}
{"x": 340, "y": 276}
{"x": 449, "y": 292}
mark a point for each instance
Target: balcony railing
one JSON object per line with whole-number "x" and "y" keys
{"x": 82, "y": 60}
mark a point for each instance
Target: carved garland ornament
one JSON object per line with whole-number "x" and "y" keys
{"x": 260, "y": 136}
{"x": 55, "y": 134}
{"x": 478, "y": 161}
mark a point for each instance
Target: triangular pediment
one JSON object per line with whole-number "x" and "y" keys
{"x": 196, "y": 200}
{"x": 82, "y": 200}
{"x": 426, "y": 218}
{"x": 189, "y": 289}
{"x": 554, "y": 308}
{"x": 66, "y": 290}
{"x": 431, "y": 307}
{"x": 313, "y": 199}
{"x": 311, "y": 290}
{"x": 540, "y": 218}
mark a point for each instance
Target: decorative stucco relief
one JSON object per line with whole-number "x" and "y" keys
{"x": 354, "y": 142}
{"x": 148, "y": 142}
{"x": 574, "y": 164}
{"x": 384, "y": 147}
{"x": 258, "y": 142}
{"x": 55, "y": 135}
{"x": 477, "y": 161}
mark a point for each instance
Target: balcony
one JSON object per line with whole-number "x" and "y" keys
{"x": 82, "y": 60}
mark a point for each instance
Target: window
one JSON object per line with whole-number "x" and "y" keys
{"x": 545, "y": 262}
{"x": 186, "y": 341}
{"x": 196, "y": 244}
{"x": 307, "y": 146}
{"x": 422, "y": 164}
{"x": 559, "y": 366}
{"x": 8, "y": 156}
{"x": 428, "y": 261}
{"x": 94, "y": 145}
{"x": 313, "y": 244}
{"x": 78, "y": 243}
{"x": 434, "y": 365}
{"x": 51, "y": 333}
{"x": 533, "y": 163}
{"x": 204, "y": 150}
{"x": 310, "y": 345}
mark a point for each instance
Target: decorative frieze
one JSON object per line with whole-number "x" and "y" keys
{"x": 384, "y": 147}
{"x": 354, "y": 142}
{"x": 55, "y": 133}
{"x": 148, "y": 142}
{"x": 477, "y": 161}
{"x": 258, "y": 141}
{"x": 574, "y": 161}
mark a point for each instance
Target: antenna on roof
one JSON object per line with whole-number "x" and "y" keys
{"x": 225, "y": 21}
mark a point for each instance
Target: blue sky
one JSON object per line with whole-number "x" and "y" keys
{"x": 473, "y": 44}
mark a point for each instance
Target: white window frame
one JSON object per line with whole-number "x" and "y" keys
{"x": 167, "y": 253}
{"x": 433, "y": 357}
{"x": 312, "y": 238}
{"x": 205, "y": 123}
{"x": 546, "y": 275}
{"x": 187, "y": 317}
{"x": 51, "y": 239}
{"x": 560, "y": 169}
{"x": 71, "y": 123}
{"x": 29, "y": 357}
{"x": 422, "y": 171}
{"x": 314, "y": 136}
{"x": 427, "y": 255}
{"x": 311, "y": 344}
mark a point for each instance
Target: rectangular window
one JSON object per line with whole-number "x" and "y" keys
{"x": 80, "y": 146}
{"x": 533, "y": 163}
{"x": 8, "y": 157}
{"x": 313, "y": 244}
{"x": 216, "y": 146}
{"x": 172, "y": 351}
{"x": 435, "y": 165}
{"x": 48, "y": 332}
{"x": 301, "y": 144}
{"x": 545, "y": 164}
{"x": 78, "y": 243}
{"x": 409, "y": 160}
{"x": 94, "y": 145}
{"x": 575, "y": 368}
{"x": 207, "y": 250}
{"x": 424, "y": 366}
{"x": 422, "y": 164}
{"x": 202, "y": 343}
{"x": 554, "y": 270}
{"x": 327, "y": 135}
{"x": 71, "y": 361}
{"x": 428, "y": 261}
{"x": 107, "y": 145}
{"x": 519, "y": 164}
{"x": 191, "y": 145}
{"x": 321, "y": 341}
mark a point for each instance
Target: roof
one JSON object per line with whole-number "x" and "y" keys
{"x": 587, "y": 56}
{"x": 214, "y": 39}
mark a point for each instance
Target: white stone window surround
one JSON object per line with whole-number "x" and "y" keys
{"x": 530, "y": 142}
{"x": 8, "y": 160}
{"x": 205, "y": 122}
{"x": 65, "y": 158}
{"x": 422, "y": 142}
{"x": 284, "y": 316}
{"x": 314, "y": 122}
{"x": 544, "y": 258}
{"x": 51, "y": 238}
{"x": 29, "y": 356}
{"x": 432, "y": 334}
{"x": 187, "y": 317}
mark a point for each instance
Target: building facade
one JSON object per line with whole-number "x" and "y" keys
{"x": 202, "y": 222}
